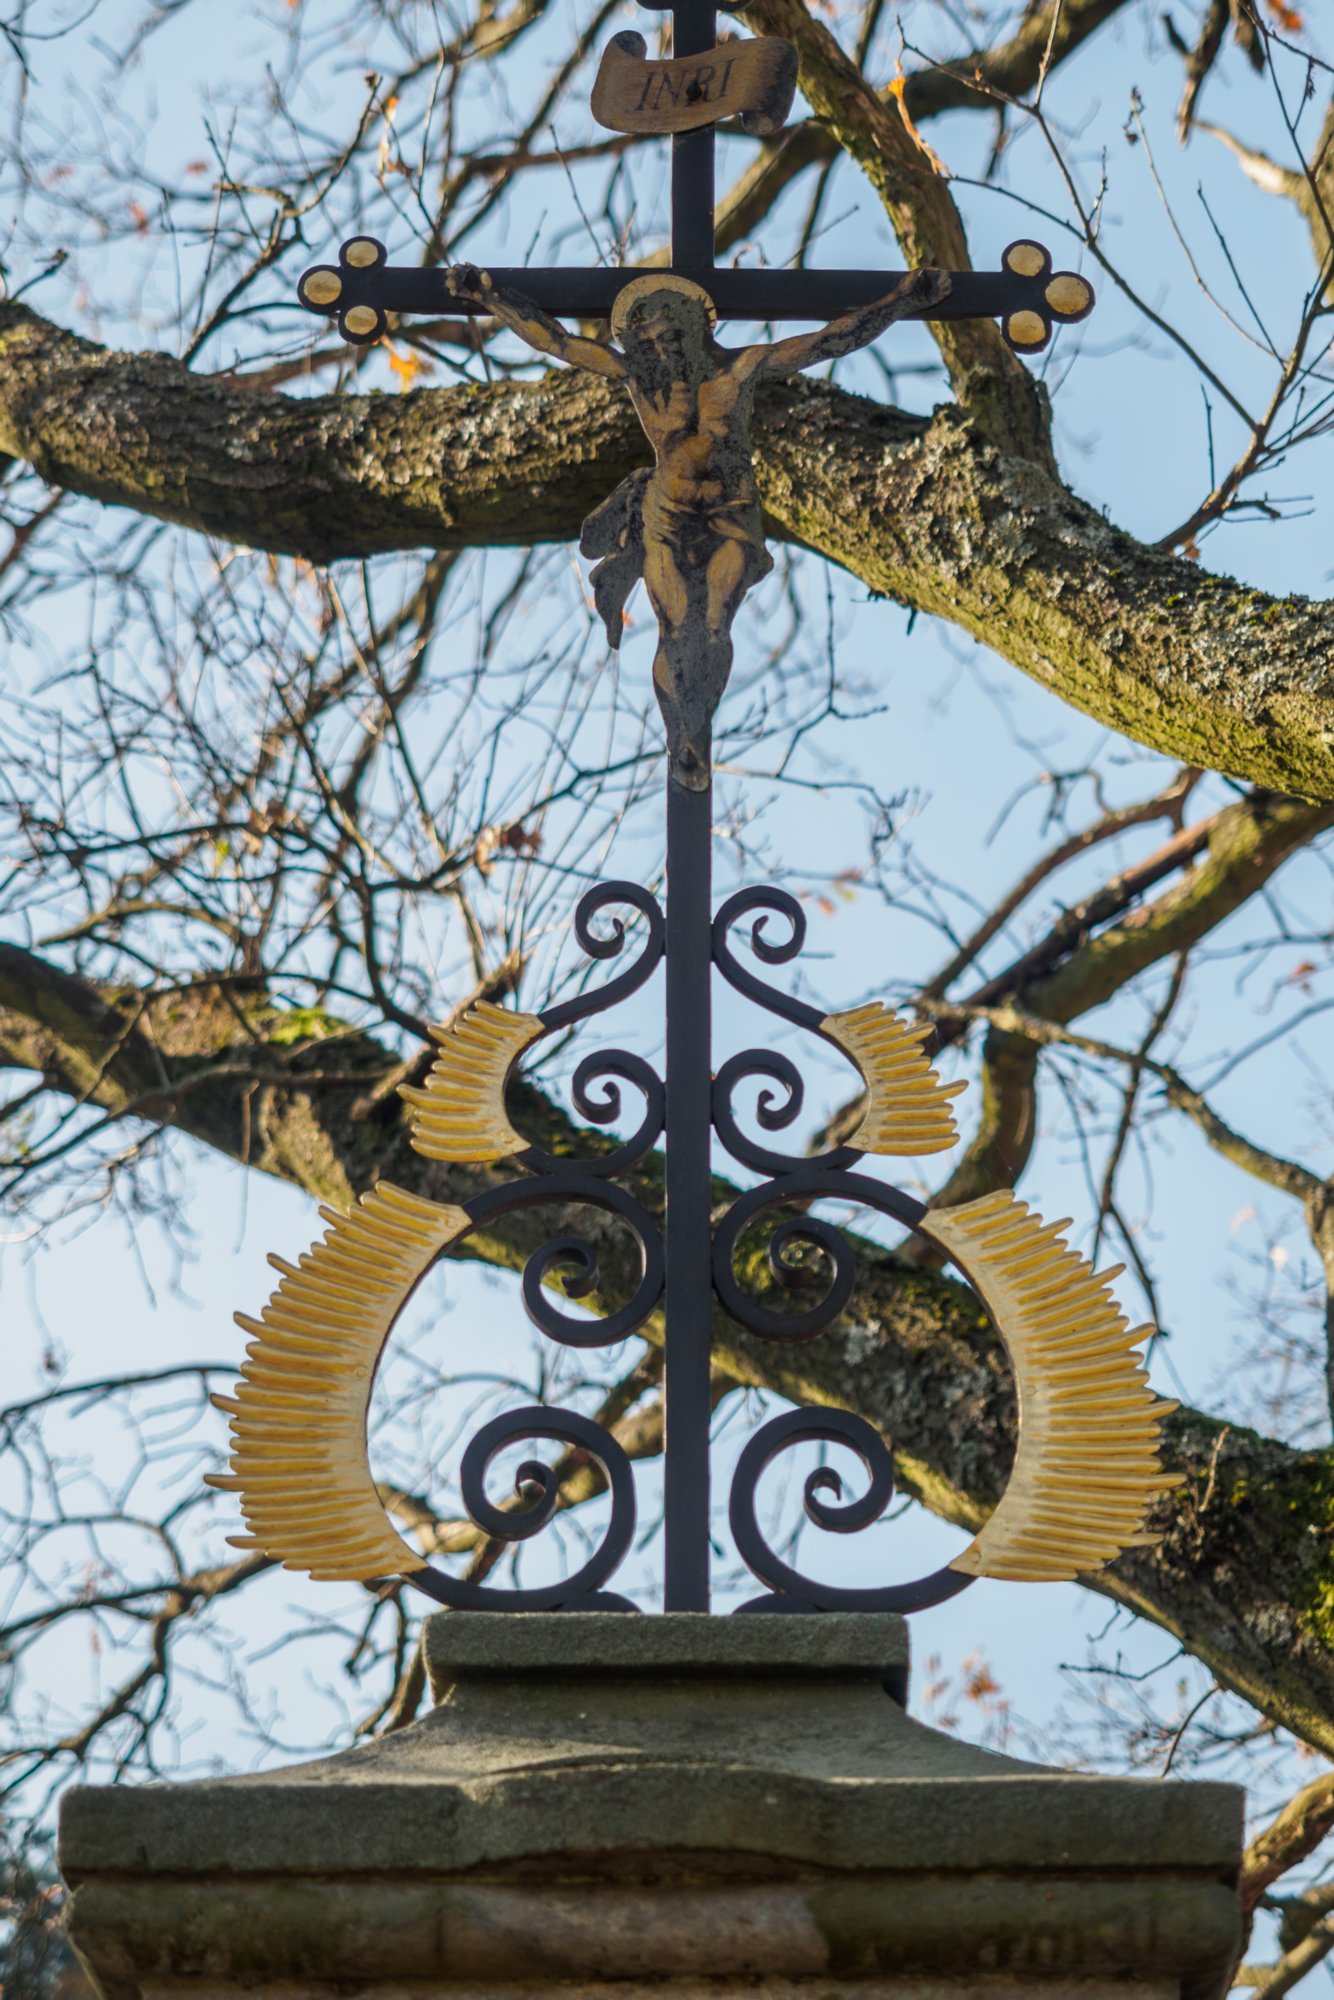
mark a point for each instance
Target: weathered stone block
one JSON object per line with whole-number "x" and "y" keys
{"x": 609, "y": 1802}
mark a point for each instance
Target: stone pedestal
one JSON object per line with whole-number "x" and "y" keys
{"x": 605, "y": 1803}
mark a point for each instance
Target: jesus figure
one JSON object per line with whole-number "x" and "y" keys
{"x": 691, "y": 525}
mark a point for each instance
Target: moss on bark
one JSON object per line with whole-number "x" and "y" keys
{"x": 931, "y": 513}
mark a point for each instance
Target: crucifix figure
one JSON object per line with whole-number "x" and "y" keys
{"x": 691, "y": 525}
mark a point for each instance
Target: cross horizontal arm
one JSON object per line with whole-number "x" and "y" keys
{"x": 1025, "y": 295}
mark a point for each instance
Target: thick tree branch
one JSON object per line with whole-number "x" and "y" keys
{"x": 1168, "y": 804}
{"x": 1043, "y": 37}
{"x": 1187, "y": 662}
{"x": 931, "y": 514}
{"x": 1247, "y": 844}
{"x": 1004, "y": 1130}
{"x": 1271, "y": 1982}
{"x": 1073, "y": 929}
{"x": 1296, "y": 1832}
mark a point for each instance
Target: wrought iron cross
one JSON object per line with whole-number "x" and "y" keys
{"x": 363, "y": 289}
{"x": 691, "y": 527}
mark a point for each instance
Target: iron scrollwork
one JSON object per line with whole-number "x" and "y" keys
{"x": 587, "y": 1182}
{"x": 537, "y": 1487}
{"x": 791, "y": 1590}
{"x": 794, "y": 1182}
{"x": 300, "y": 1413}
{"x": 1088, "y": 1462}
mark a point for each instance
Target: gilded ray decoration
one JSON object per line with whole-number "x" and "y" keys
{"x": 298, "y": 1418}
{"x": 1086, "y": 1471}
{"x": 459, "y": 1114}
{"x": 908, "y": 1108}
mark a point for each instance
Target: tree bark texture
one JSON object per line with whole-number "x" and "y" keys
{"x": 932, "y": 513}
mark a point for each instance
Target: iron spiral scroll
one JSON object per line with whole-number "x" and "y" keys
{"x": 589, "y": 1182}
{"x": 1087, "y": 1466}
{"x": 795, "y": 1180}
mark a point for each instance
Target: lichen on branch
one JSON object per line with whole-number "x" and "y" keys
{"x": 932, "y": 513}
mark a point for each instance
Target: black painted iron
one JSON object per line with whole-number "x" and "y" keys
{"x": 689, "y": 1266}
{"x": 807, "y": 294}
{"x": 363, "y": 283}
{"x": 689, "y": 1269}
{"x": 689, "y": 1299}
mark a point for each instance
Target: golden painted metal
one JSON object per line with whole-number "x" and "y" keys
{"x": 1026, "y": 260}
{"x": 1069, "y": 296}
{"x": 459, "y": 1114}
{"x": 1086, "y": 1470}
{"x": 908, "y": 1109}
{"x": 321, "y": 288}
{"x": 298, "y": 1419}
{"x": 644, "y": 288}
{"x": 752, "y": 81}
{"x": 1022, "y": 329}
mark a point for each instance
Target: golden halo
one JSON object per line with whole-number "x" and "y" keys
{"x": 641, "y": 288}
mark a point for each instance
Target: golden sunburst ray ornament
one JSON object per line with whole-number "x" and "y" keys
{"x": 298, "y": 1418}
{"x": 1087, "y": 1467}
{"x": 459, "y": 1113}
{"x": 908, "y": 1110}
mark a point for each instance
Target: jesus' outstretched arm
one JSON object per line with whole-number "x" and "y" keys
{"x": 915, "y": 291}
{"x": 535, "y": 327}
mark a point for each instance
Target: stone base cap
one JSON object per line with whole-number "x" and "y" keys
{"x": 605, "y": 1800}
{"x": 678, "y": 1645}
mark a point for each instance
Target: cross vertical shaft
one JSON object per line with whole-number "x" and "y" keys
{"x": 689, "y": 1290}
{"x": 694, "y": 31}
{"x": 689, "y": 1203}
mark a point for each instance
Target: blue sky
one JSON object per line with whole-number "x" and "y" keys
{"x": 955, "y": 730}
